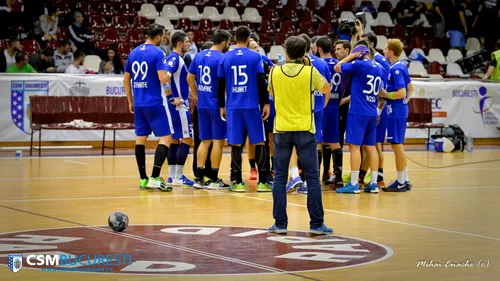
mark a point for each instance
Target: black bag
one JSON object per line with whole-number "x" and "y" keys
{"x": 455, "y": 134}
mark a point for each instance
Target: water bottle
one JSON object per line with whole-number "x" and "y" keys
{"x": 470, "y": 143}
{"x": 281, "y": 59}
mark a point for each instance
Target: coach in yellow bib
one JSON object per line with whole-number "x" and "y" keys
{"x": 292, "y": 86}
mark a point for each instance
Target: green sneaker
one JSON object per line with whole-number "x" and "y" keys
{"x": 159, "y": 183}
{"x": 346, "y": 178}
{"x": 368, "y": 177}
{"x": 144, "y": 183}
{"x": 240, "y": 187}
{"x": 264, "y": 187}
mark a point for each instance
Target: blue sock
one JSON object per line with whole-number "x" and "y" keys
{"x": 172, "y": 155}
{"x": 182, "y": 154}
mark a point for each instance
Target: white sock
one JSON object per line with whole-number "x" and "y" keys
{"x": 171, "y": 171}
{"x": 354, "y": 177}
{"x": 401, "y": 177}
{"x": 179, "y": 171}
{"x": 406, "y": 174}
{"x": 295, "y": 173}
{"x": 374, "y": 178}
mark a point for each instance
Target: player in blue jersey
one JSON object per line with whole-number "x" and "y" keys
{"x": 331, "y": 139}
{"x": 362, "y": 119}
{"x": 399, "y": 91}
{"x": 181, "y": 119}
{"x": 145, "y": 77}
{"x": 242, "y": 79}
{"x": 202, "y": 80}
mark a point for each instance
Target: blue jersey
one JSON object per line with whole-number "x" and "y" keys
{"x": 143, "y": 63}
{"x": 205, "y": 66}
{"x": 384, "y": 75}
{"x": 178, "y": 69}
{"x": 366, "y": 83}
{"x": 398, "y": 78}
{"x": 335, "y": 83}
{"x": 267, "y": 60}
{"x": 383, "y": 61}
{"x": 240, "y": 68}
{"x": 322, "y": 67}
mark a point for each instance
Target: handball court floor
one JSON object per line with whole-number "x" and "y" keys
{"x": 449, "y": 220}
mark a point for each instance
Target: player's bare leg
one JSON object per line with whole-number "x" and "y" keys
{"x": 177, "y": 156}
{"x": 353, "y": 185}
{"x": 161, "y": 153}
{"x": 365, "y": 165}
{"x": 380, "y": 175}
{"x": 400, "y": 184}
{"x": 295, "y": 181}
{"x": 372, "y": 154}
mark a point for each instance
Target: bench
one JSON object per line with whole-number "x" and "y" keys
{"x": 59, "y": 112}
{"x": 420, "y": 116}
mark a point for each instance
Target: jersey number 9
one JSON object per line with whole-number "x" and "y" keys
{"x": 140, "y": 69}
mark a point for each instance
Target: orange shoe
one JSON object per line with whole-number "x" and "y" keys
{"x": 381, "y": 184}
{"x": 361, "y": 183}
{"x": 253, "y": 174}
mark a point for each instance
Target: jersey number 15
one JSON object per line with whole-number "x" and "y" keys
{"x": 238, "y": 72}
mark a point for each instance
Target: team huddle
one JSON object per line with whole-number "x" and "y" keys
{"x": 368, "y": 98}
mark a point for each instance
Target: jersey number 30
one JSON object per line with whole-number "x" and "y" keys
{"x": 374, "y": 83}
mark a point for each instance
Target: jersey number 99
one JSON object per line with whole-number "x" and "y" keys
{"x": 140, "y": 69}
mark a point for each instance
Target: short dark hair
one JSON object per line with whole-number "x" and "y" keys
{"x": 78, "y": 54}
{"x": 325, "y": 43}
{"x": 20, "y": 56}
{"x": 220, "y": 36}
{"x": 307, "y": 40}
{"x": 361, "y": 42}
{"x": 64, "y": 43}
{"x": 155, "y": 30}
{"x": 12, "y": 41}
{"x": 242, "y": 34}
{"x": 207, "y": 45}
{"x": 346, "y": 44}
{"x": 255, "y": 37}
{"x": 178, "y": 36}
{"x": 48, "y": 52}
{"x": 371, "y": 37}
{"x": 295, "y": 47}
{"x": 314, "y": 39}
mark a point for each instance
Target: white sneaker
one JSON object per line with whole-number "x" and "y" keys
{"x": 217, "y": 185}
{"x": 177, "y": 182}
{"x": 152, "y": 183}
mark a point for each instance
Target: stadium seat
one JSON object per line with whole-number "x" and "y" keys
{"x": 308, "y": 16}
{"x": 416, "y": 68}
{"x": 473, "y": 44}
{"x": 454, "y": 70}
{"x": 381, "y": 42}
{"x": 325, "y": 28}
{"x": 384, "y": 18}
{"x": 184, "y": 24}
{"x": 287, "y": 28}
{"x": 84, "y": 7}
{"x": 307, "y": 28}
{"x": 111, "y": 35}
{"x": 192, "y": 13}
{"x": 235, "y": 4}
{"x": 436, "y": 55}
{"x": 64, "y": 9}
{"x": 280, "y": 38}
{"x": 251, "y": 15}
{"x": 471, "y": 52}
{"x": 120, "y": 23}
{"x": 276, "y": 4}
{"x": 267, "y": 27}
{"x": 101, "y": 45}
{"x": 98, "y": 23}
{"x": 165, "y": 22}
{"x": 385, "y": 6}
{"x": 148, "y": 11}
{"x": 206, "y": 25}
{"x": 92, "y": 63}
{"x": 435, "y": 68}
{"x": 329, "y": 17}
{"x": 115, "y": 1}
{"x": 271, "y": 15}
{"x": 106, "y": 10}
{"x": 141, "y": 23}
{"x": 211, "y": 13}
{"x": 403, "y": 56}
{"x": 381, "y": 30}
{"x": 264, "y": 41}
{"x": 200, "y": 37}
{"x": 226, "y": 24}
{"x": 30, "y": 47}
{"x": 230, "y": 13}
{"x": 348, "y": 5}
{"x": 291, "y": 15}
{"x": 369, "y": 19}
{"x": 453, "y": 55}
{"x": 62, "y": 32}
{"x": 52, "y": 45}
{"x": 170, "y": 12}
{"x": 346, "y": 15}
{"x": 127, "y": 10}
{"x": 124, "y": 49}
{"x": 134, "y": 36}
{"x": 275, "y": 51}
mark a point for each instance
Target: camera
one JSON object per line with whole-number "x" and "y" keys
{"x": 348, "y": 25}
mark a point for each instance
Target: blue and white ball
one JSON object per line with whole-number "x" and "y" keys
{"x": 118, "y": 221}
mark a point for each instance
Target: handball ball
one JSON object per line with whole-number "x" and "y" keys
{"x": 118, "y": 221}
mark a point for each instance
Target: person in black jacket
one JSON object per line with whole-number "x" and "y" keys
{"x": 43, "y": 61}
{"x": 80, "y": 36}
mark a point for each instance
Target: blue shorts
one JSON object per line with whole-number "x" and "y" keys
{"x": 361, "y": 130}
{"x": 382, "y": 126}
{"x": 154, "y": 119}
{"x": 242, "y": 123}
{"x": 270, "y": 120}
{"x": 210, "y": 125}
{"x": 181, "y": 121}
{"x": 331, "y": 125}
{"x": 457, "y": 39}
{"x": 396, "y": 130}
{"x": 318, "y": 122}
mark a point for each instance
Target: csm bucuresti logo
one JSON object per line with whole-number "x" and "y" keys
{"x": 15, "y": 262}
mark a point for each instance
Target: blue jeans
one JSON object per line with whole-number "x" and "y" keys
{"x": 306, "y": 146}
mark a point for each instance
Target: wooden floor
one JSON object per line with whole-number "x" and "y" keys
{"x": 451, "y": 214}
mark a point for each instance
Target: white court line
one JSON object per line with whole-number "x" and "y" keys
{"x": 76, "y": 162}
{"x": 380, "y": 219}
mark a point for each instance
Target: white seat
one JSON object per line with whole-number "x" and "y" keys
{"x": 92, "y": 63}
{"x": 368, "y": 29}
{"x": 416, "y": 53}
{"x": 192, "y": 13}
{"x": 211, "y": 13}
{"x": 230, "y": 13}
{"x": 436, "y": 77}
{"x": 170, "y": 12}
{"x": 275, "y": 51}
{"x": 425, "y": 21}
{"x": 381, "y": 42}
{"x": 471, "y": 52}
{"x": 473, "y": 44}
{"x": 436, "y": 55}
{"x": 165, "y": 22}
{"x": 384, "y": 19}
{"x": 369, "y": 19}
{"x": 417, "y": 68}
{"x": 346, "y": 15}
{"x": 455, "y": 69}
{"x": 403, "y": 56}
{"x": 453, "y": 55}
{"x": 251, "y": 15}
{"x": 148, "y": 11}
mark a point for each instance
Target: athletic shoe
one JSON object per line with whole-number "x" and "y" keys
{"x": 330, "y": 180}
{"x": 408, "y": 185}
{"x": 293, "y": 184}
{"x": 381, "y": 184}
{"x": 219, "y": 184}
{"x": 240, "y": 187}
{"x": 371, "y": 188}
{"x": 322, "y": 230}
{"x": 361, "y": 183}
{"x": 253, "y": 174}
{"x": 277, "y": 230}
{"x": 336, "y": 185}
{"x": 183, "y": 181}
{"x": 326, "y": 177}
{"x": 395, "y": 186}
{"x": 302, "y": 189}
{"x": 368, "y": 178}
{"x": 144, "y": 184}
{"x": 264, "y": 187}
{"x": 346, "y": 178}
{"x": 200, "y": 184}
{"x": 349, "y": 188}
{"x": 159, "y": 183}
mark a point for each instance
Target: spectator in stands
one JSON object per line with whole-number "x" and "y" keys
{"x": 439, "y": 24}
{"x": 192, "y": 50}
{"x": 207, "y": 45}
{"x": 406, "y": 11}
{"x": 80, "y": 36}
{"x": 63, "y": 57}
{"x": 77, "y": 66}
{"x": 471, "y": 7}
{"x": 10, "y": 53}
{"x": 486, "y": 22}
{"x": 165, "y": 44}
{"x": 456, "y": 27}
{"x": 493, "y": 72}
{"x": 115, "y": 62}
{"x": 21, "y": 65}
{"x": 43, "y": 61}
{"x": 256, "y": 38}
{"x": 49, "y": 24}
